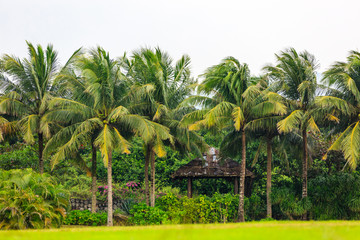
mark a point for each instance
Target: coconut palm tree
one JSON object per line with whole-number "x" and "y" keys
{"x": 97, "y": 114}
{"x": 295, "y": 74}
{"x": 159, "y": 86}
{"x": 344, "y": 80}
{"x": 27, "y": 92}
{"x": 264, "y": 129}
{"x": 233, "y": 99}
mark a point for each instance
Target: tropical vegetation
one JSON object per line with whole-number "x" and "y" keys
{"x": 145, "y": 115}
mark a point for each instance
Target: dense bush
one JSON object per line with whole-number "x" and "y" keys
{"x": 289, "y": 203}
{"x": 30, "y": 200}
{"x": 335, "y": 196}
{"x": 145, "y": 215}
{"x": 17, "y": 156}
{"x": 178, "y": 210}
{"x": 77, "y": 217}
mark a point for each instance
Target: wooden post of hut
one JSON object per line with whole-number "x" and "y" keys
{"x": 189, "y": 187}
{"x": 236, "y": 185}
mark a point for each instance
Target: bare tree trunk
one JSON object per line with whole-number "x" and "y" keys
{"x": 189, "y": 187}
{"x": 147, "y": 161}
{"x": 41, "y": 149}
{"x": 241, "y": 210}
{"x": 110, "y": 197}
{"x": 304, "y": 168}
{"x": 93, "y": 179}
{"x": 152, "y": 192}
{"x": 268, "y": 178}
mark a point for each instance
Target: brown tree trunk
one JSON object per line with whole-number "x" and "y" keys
{"x": 110, "y": 197}
{"x": 152, "y": 192}
{"x": 189, "y": 187}
{"x": 41, "y": 149}
{"x": 147, "y": 161}
{"x": 93, "y": 179}
{"x": 304, "y": 168}
{"x": 241, "y": 210}
{"x": 268, "y": 179}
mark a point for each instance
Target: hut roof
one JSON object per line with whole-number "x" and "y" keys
{"x": 212, "y": 165}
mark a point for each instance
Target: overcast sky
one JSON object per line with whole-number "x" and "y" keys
{"x": 207, "y": 30}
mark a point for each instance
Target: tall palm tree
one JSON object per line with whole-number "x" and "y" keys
{"x": 265, "y": 129}
{"x": 159, "y": 87}
{"x": 344, "y": 80}
{"x": 27, "y": 92}
{"x": 98, "y": 115}
{"x": 233, "y": 100}
{"x": 295, "y": 73}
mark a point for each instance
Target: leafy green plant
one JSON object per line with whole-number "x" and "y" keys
{"x": 30, "y": 200}
{"x": 290, "y": 205}
{"x": 335, "y": 196}
{"x": 126, "y": 205}
{"x": 145, "y": 215}
{"x": 77, "y": 217}
{"x": 201, "y": 209}
{"x": 17, "y": 156}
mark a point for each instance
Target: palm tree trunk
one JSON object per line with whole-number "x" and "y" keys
{"x": 268, "y": 178}
{"x": 93, "y": 179}
{"x": 304, "y": 168}
{"x": 110, "y": 197}
{"x": 41, "y": 149}
{"x": 241, "y": 210}
{"x": 152, "y": 195}
{"x": 147, "y": 161}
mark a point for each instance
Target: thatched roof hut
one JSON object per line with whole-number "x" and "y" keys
{"x": 212, "y": 165}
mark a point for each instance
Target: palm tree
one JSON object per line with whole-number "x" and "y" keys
{"x": 98, "y": 115}
{"x": 344, "y": 78}
{"x": 235, "y": 100}
{"x": 264, "y": 128}
{"x": 26, "y": 95}
{"x": 158, "y": 88}
{"x": 296, "y": 75}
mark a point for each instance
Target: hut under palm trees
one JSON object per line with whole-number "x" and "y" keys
{"x": 213, "y": 165}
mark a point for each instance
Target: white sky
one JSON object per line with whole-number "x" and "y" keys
{"x": 207, "y": 30}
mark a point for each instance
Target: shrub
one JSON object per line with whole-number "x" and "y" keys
{"x": 77, "y": 217}
{"x": 201, "y": 209}
{"x": 145, "y": 215}
{"x": 17, "y": 156}
{"x": 335, "y": 197}
{"x": 290, "y": 205}
{"x": 30, "y": 200}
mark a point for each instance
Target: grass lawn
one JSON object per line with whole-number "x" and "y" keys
{"x": 338, "y": 230}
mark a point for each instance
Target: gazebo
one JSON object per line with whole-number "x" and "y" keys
{"x": 212, "y": 165}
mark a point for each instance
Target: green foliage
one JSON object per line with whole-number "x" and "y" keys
{"x": 145, "y": 215}
{"x": 17, "y": 156}
{"x": 77, "y": 217}
{"x": 290, "y": 204}
{"x": 201, "y": 209}
{"x": 130, "y": 167}
{"x": 79, "y": 187}
{"x": 335, "y": 197}
{"x": 30, "y": 200}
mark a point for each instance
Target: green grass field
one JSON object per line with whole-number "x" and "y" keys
{"x": 338, "y": 230}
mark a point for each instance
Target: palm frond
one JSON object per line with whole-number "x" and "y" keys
{"x": 291, "y": 122}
